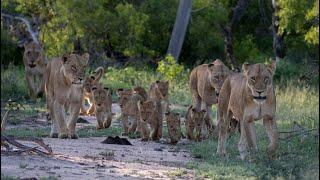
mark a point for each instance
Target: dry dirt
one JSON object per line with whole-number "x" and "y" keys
{"x": 88, "y": 158}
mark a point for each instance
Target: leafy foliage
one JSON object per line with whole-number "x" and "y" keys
{"x": 169, "y": 68}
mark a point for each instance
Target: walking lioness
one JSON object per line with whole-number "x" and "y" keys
{"x": 35, "y": 66}
{"x": 64, "y": 92}
{"x": 248, "y": 97}
{"x": 205, "y": 83}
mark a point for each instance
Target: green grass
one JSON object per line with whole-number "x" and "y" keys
{"x": 295, "y": 160}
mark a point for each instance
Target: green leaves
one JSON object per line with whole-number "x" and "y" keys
{"x": 169, "y": 68}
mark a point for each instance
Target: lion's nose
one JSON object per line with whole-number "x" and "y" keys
{"x": 80, "y": 79}
{"x": 259, "y": 92}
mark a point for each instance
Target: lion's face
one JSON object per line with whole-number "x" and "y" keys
{"x": 101, "y": 95}
{"x": 198, "y": 117}
{"x": 218, "y": 73}
{"x": 74, "y": 68}
{"x": 163, "y": 88}
{"x": 124, "y": 96}
{"x": 259, "y": 80}
{"x": 33, "y": 54}
{"x": 146, "y": 109}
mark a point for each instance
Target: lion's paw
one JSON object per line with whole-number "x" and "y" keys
{"x": 63, "y": 136}
{"x": 53, "y": 135}
{"x": 73, "y": 136}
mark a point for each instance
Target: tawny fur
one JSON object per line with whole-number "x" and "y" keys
{"x": 35, "y": 65}
{"x": 103, "y": 103}
{"x": 174, "y": 127}
{"x": 239, "y": 97}
{"x": 128, "y": 101}
{"x": 205, "y": 82}
{"x": 194, "y": 120}
{"x": 159, "y": 93}
{"x": 89, "y": 82}
{"x": 64, "y": 92}
{"x": 148, "y": 117}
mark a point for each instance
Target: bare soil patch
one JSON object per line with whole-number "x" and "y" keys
{"x": 88, "y": 158}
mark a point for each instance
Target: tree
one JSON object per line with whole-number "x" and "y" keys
{"x": 180, "y": 27}
{"x": 235, "y": 17}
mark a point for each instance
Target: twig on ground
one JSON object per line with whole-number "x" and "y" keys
{"x": 17, "y": 152}
{"x": 297, "y": 134}
{"x": 11, "y": 140}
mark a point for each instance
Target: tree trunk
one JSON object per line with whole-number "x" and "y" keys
{"x": 278, "y": 38}
{"x": 180, "y": 27}
{"x": 236, "y": 15}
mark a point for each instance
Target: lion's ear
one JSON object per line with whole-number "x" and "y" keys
{"x": 210, "y": 66}
{"x": 272, "y": 67}
{"x": 85, "y": 57}
{"x": 65, "y": 58}
{"x": 245, "y": 67}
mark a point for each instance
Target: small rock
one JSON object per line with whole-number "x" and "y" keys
{"x": 158, "y": 149}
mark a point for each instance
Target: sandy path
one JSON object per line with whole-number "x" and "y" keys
{"x": 87, "y": 158}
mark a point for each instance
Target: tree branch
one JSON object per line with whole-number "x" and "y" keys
{"x": 33, "y": 34}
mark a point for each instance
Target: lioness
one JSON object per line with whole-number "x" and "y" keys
{"x": 205, "y": 82}
{"x": 35, "y": 66}
{"x": 194, "y": 119}
{"x": 64, "y": 91}
{"x": 248, "y": 97}
{"x": 158, "y": 93}
{"x": 103, "y": 103}
{"x": 128, "y": 102}
{"x": 89, "y": 82}
{"x": 174, "y": 127}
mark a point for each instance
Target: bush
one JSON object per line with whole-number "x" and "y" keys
{"x": 13, "y": 85}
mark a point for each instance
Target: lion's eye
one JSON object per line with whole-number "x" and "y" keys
{"x": 253, "y": 79}
{"x": 266, "y": 79}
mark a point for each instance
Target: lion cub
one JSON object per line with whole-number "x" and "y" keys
{"x": 148, "y": 116}
{"x": 103, "y": 102}
{"x": 128, "y": 102}
{"x": 158, "y": 93}
{"x": 174, "y": 126}
{"x": 89, "y": 82}
{"x": 194, "y": 119}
